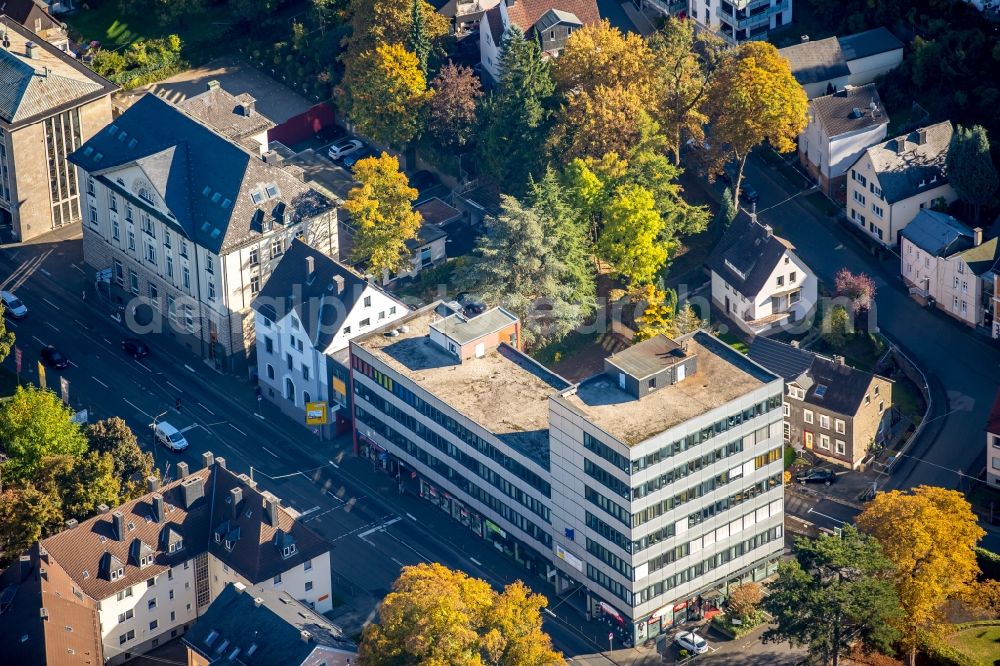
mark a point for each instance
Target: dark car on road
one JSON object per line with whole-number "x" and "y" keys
{"x": 471, "y": 306}
{"x": 824, "y": 476}
{"x": 54, "y": 358}
{"x": 423, "y": 180}
{"x": 135, "y": 348}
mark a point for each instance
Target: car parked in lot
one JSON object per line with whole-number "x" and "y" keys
{"x": 170, "y": 436}
{"x": 353, "y": 158}
{"x": 135, "y": 348}
{"x": 692, "y": 642}
{"x": 824, "y": 476}
{"x": 343, "y": 148}
{"x": 471, "y": 306}
{"x": 12, "y": 305}
{"x": 54, "y": 358}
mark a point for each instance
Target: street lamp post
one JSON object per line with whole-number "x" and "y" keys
{"x": 152, "y": 432}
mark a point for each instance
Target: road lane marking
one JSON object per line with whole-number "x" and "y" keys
{"x": 50, "y": 303}
{"x": 72, "y": 363}
{"x": 269, "y": 450}
{"x": 411, "y": 517}
{"x": 398, "y": 562}
{"x": 241, "y": 432}
{"x": 143, "y": 366}
{"x": 200, "y": 405}
{"x": 45, "y": 271}
{"x": 81, "y": 324}
{"x": 10, "y": 322}
{"x": 335, "y": 465}
{"x": 379, "y": 528}
{"x": 475, "y": 561}
{"x": 39, "y": 341}
{"x": 133, "y": 406}
{"x": 190, "y": 369}
{"x": 190, "y": 427}
{"x": 78, "y": 268}
{"x": 108, "y": 341}
{"x": 811, "y": 510}
{"x": 308, "y": 511}
{"x": 173, "y": 387}
{"x": 52, "y": 326}
{"x": 99, "y": 381}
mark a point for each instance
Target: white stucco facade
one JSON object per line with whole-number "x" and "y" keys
{"x": 830, "y": 157}
{"x": 308, "y": 582}
{"x": 948, "y": 280}
{"x": 790, "y": 289}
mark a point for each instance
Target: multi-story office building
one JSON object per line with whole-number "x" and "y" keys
{"x": 151, "y": 567}
{"x": 650, "y": 486}
{"x": 49, "y": 106}
{"x": 184, "y": 219}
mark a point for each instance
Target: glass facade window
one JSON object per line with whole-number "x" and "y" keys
{"x": 62, "y": 137}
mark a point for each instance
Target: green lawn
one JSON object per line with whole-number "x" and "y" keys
{"x": 734, "y": 342}
{"x": 907, "y": 397}
{"x": 980, "y": 643}
{"x": 201, "y": 34}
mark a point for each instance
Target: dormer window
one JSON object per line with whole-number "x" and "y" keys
{"x": 227, "y": 544}
{"x": 145, "y": 195}
{"x": 288, "y": 550}
{"x": 218, "y": 537}
{"x": 117, "y": 573}
{"x": 176, "y": 546}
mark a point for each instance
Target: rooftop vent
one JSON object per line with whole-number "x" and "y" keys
{"x": 31, "y": 50}
{"x": 72, "y": 523}
{"x": 214, "y": 84}
{"x": 305, "y": 635}
{"x": 207, "y": 459}
{"x": 856, "y": 113}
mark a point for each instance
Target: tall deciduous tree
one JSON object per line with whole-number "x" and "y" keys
{"x": 131, "y": 465}
{"x": 385, "y": 94}
{"x": 685, "y": 62}
{"x": 970, "y": 168}
{"x": 631, "y": 239}
{"x": 435, "y": 615}
{"x": 600, "y": 55}
{"x": 860, "y": 288}
{"x": 381, "y": 210}
{"x": 658, "y": 313}
{"x": 515, "y": 119}
{"x": 81, "y": 484}
{"x": 753, "y": 98}
{"x": 26, "y": 515}
{"x": 374, "y": 23}
{"x": 7, "y": 338}
{"x": 837, "y": 591}
{"x": 34, "y": 424}
{"x": 452, "y": 108}
{"x": 604, "y": 119}
{"x": 930, "y": 537}
{"x": 418, "y": 41}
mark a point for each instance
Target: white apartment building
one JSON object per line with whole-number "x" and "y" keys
{"x": 647, "y": 489}
{"x": 182, "y": 219}
{"x": 893, "y": 181}
{"x": 305, "y": 315}
{"x": 737, "y": 21}
{"x": 154, "y": 564}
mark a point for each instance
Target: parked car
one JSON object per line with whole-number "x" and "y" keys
{"x": 423, "y": 180}
{"x": 331, "y": 132}
{"x": 135, "y": 348}
{"x": 170, "y": 436}
{"x": 692, "y": 642}
{"x": 12, "y": 305}
{"x": 353, "y": 158}
{"x": 471, "y": 305}
{"x": 54, "y": 358}
{"x": 824, "y": 476}
{"x": 343, "y": 148}
{"x": 748, "y": 195}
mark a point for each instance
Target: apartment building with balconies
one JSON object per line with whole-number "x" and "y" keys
{"x": 739, "y": 21}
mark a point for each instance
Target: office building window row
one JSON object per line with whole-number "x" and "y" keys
{"x": 604, "y": 451}
{"x": 608, "y": 532}
{"x": 609, "y": 558}
{"x": 653, "y": 538}
{"x": 734, "y": 500}
{"x": 764, "y": 459}
{"x": 449, "y": 424}
{"x": 609, "y": 583}
{"x": 448, "y": 448}
{"x": 708, "y": 564}
{"x": 692, "y": 466}
{"x": 669, "y": 557}
{"x": 710, "y": 432}
{"x": 450, "y": 473}
{"x": 609, "y": 507}
{"x": 606, "y": 478}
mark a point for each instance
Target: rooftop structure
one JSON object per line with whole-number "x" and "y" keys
{"x": 713, "y": 374}
{"x": 909, "y": 164}
{"x": 233, "y": 116}
{"x": 938, "y": 234}
{"x": 501, "y": 389}
{"x": 849, "y": 110}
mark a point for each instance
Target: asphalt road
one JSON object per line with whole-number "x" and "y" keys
{"x": 375, "y": 531}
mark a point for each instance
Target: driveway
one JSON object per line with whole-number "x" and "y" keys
{"x": 962, "y": 367}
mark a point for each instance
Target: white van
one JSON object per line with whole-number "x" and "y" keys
{"x": 170, "y": 436}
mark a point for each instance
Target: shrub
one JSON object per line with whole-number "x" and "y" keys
{"x": 744, "y": 601}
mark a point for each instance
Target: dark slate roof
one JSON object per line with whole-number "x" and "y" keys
{"x": 993, "y": 420}
{"x": 68, "y": 635}
{"x": 937, "y": 233}
{"x": 984, "y": 258}
{"x": 555, "y": 17}
{"x": 900, "y": 173}
{"x": 264, "y": 627}
{"x": 869, "y": 43}
{"x": 51, "y": 82}
{"x": 845, "y": 386}
{"x": 321, "y": 303}
{"x": 427, "y": 234}
{"x": 206, "y": 181}
{"x": 435, "y": 211}
{"x": 815, "y": 61}
{"x": 81, "y": 550}
{"x": 849, "y": 110}
{"x": 648, "y": 357}
{"x": 750, "y": 248}
{"x": 226, "y": 113}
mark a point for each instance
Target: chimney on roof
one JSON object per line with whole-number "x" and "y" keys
{"x": 273, "y": 158}
{"x": 921, "y": 136}
{"x": 31, "y": 50}
{"x": 900, "y": 145}
{"x": 235, "y": 497}
{"x": 839, "y": 360}
{"x": 193, "y": 491}
{"x": 977, "y": 236}
{"x": 103, "y": 508}
{"x": 310, "y": 266}
{"x": 338, "y": 281}
{"x": 221, "y": 462}
{"x": 152, "y": 484}
{"x": 239, "y": 587}
{"x": 271, "y": 509}
{"x": 213, "y": 84}
{"x": 118, "y": 524}
{"x": 72, "y": 523}
{"x": 25, "y": 561}
{"x": 258, "y": 602}
{"x": 207, "y": 460}
{"x": 306, "y": 636}
{"x": 157, "y": 508}
{"x": 794, "y": 343}
{"x": 769, "y": 230}
{"x": 182, "y": 470}
{"x": 247, "y": 106}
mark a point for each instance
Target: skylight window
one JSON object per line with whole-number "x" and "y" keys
{"x": 132, "y": 143}
{"x": 122, "y": 135}
{"x": 88, "y": 150}
{"x": 205, "y": 192}
{"x": 112, "y": 129}
{"x": 820, "y": 390}
{"x": 272, "y": 191}
{"x": 256, "y": 196}
{"x": 226, "y": 203}
{"x": 212, "y": 635}
{"x": 98, "y": 156}
{"x": 215, "y": 233}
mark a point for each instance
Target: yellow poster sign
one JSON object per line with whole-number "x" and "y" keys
{"x": 316, "y": 413}
{"x": 41, "y": 376}
{"x": 339, "y": 386}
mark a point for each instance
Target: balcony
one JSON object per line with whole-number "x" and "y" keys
{"x": 667, "y": 7}
{"x": 743, "y": 21}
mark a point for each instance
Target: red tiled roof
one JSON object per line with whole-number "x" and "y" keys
{"x": 993, "y": 422}
{"x": 525, "y": 13}
{"x": 496, "y": 24}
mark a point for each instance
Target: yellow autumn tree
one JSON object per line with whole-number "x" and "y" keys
{"x": 381, "y": 210}
{"x": 385, "y": 94}
{"x": 440, "y": 617}
{"x": 753, "y": 98}
{"x": 930, "y": 536}
{"x": 658, "y": 315}
{"x": 600, "y": 55}
{"x": 606, "y": 119}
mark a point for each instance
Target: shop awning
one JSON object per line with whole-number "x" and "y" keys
{"x": 608, "y": 609}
